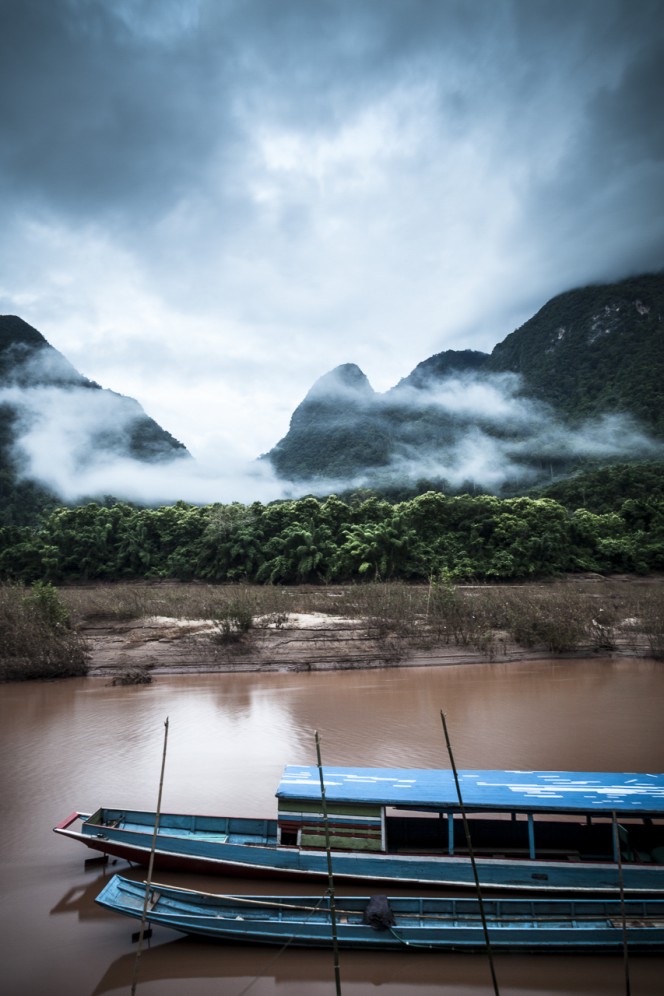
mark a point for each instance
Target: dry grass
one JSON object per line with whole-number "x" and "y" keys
{"x": 649, "y": 619}
{"x": 39, "y": 627}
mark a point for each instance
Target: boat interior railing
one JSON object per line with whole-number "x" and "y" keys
{"x": 525, "y": 836}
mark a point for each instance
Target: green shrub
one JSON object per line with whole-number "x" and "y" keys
{"x": 233, "y": 622}
{"x": 45, "y": 600}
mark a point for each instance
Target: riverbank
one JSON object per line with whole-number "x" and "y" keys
{"x": 137, "y": 633}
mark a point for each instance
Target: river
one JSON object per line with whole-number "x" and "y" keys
{"x": 82, "y": 743}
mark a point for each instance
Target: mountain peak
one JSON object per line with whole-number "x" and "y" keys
{"x": 51, "y": 414}
{"x": 346, "y": 380}
{"x": 14, "y": 330}
{"x": 26, "y": 358}
{"x": 577, "y": 383}
{"x": 442, "y": 365}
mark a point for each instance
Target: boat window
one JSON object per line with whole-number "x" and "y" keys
{"x": 413, "y": 830}
{"x": 288, "y": 838}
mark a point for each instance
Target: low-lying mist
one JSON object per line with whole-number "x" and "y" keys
{"x": 492, "y": 433}
{"x": 473, "y": 428}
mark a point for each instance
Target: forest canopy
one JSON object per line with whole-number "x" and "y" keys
{"x": 362, "y": 537}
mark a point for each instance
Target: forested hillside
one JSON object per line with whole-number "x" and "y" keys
{"x": 577, "y": 386}
{"x": 41, "y": 392}
{"x": 595, "y": 350}
{"x": 567, "y": 410}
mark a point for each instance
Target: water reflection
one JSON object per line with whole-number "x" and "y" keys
{"x": 169, "y": 967}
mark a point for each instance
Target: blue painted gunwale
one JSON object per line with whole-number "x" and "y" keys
{"x": 421, "y": 923}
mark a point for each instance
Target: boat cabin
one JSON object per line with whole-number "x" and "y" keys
{"x": 554, "y": 815}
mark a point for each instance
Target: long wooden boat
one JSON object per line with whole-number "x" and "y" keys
{"x": 534, "y": 830}
{"x": 415, "y": 923}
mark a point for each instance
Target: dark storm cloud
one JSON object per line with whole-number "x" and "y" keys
{"x": 95, "y": 117}
{"x": 604, "y": 201}
{"x": 105, "y": 105}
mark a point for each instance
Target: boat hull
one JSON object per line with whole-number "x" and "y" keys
{"x": 414, "y": 923}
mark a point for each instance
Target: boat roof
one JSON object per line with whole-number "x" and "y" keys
{"x": 520, "y": 791}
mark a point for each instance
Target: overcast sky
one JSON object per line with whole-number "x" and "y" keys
{"x": 208, "y": 204}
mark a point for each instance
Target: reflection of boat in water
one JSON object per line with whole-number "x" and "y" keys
{"x": 80, "y": 899}
{"x": 396, "y": 923}
{"x": 536, "y": 830}
{"x": 184, "y": 960}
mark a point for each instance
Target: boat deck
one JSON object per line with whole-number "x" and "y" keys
{"x": 208, "y": 829}
{"x": 223, "y": 837}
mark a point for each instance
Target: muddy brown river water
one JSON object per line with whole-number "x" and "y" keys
{"x": 82, "y": 743}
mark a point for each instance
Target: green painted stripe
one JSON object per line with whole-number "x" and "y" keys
{"x": 351, "y": 811}
{"x": 319, "y": 841}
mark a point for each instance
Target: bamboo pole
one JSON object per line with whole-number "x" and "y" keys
{"x": 330, "y": 877}
{"x": 469, "y": 845}
{"x": 616, "y": 844}
{"x": 151, "y": 862}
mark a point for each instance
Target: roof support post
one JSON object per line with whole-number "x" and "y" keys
{"x": 615, "y": 836}
{"x": 531, "y": 837}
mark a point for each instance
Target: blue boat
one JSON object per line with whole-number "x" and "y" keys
{"x": 397, "y": 923}
{"x": 542, "y": 831}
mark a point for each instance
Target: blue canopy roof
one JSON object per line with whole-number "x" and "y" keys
{"x": 568, "y": 791}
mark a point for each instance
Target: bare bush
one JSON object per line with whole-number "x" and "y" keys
{"x": 36, "y": 639}
{"x": 554, "y": 618}
{"x": 651, "y": 615}
{"x": 138, "y": 674}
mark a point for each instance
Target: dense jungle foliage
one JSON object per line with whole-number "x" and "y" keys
{"x": 310, "y": 540}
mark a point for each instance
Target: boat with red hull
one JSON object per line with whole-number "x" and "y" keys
{"x": 570, "y": 832}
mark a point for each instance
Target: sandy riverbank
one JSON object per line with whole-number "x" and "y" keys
{"x": 308, "y": 641}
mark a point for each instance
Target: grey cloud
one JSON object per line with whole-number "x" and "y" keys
{"x": 600, "y": 209}
{"x": 369, "y": 179}
{"x": 102, "y": 110}
{"x": 120, "y": 111}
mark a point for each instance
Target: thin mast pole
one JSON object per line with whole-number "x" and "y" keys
{"x": 330, "y": 877}
{"x": 469, "y": 845}
{"x": 151, "y": 862}
{"x": 616, "y": 844}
